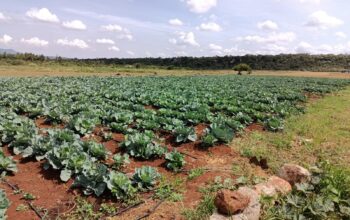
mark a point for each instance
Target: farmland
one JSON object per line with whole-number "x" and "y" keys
{"x": 114, "y": 137}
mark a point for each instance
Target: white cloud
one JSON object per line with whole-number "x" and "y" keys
{"x": 73, "y": 43}
{"x": 340, "y": 34}
{"x": 311, "y": 1}
{"x": 42, "y": 14}
{"x": 124, "y": 32}
{"x": 267, "y": 25}
{"x": 172, "y": 40}
{"x": 3, "y": 17}
{"x": 175, "y": 22}
{"x": 185, "y": 38}
{"x": 35, "y": 41}
{"x": 320, "y": 19}
{"x": 130, "y": 53}
{"x": 180, "y": 53}
{"x": 215, "y": 47}
{"x": 105, "y": 41}
{"x": 5, "y": 39}
{"x": 75, "y": 24}
{"x": 114, "y": 48}
{"x": 201, "y": 6}
{"x": 210, "y": 26}
{"x": 127, "y": 36}
{"x": 303, "y": 47}
{"x": 112, "y": 28}
{"x": 271, "y": 38}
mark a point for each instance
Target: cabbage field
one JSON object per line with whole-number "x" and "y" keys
{"x": 146, "y": 111}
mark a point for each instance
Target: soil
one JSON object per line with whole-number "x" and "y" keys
{"x": 56, "y": 196}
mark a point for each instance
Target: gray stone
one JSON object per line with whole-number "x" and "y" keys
{"x": 294, "y": 174}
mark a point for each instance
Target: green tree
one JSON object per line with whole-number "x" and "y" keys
{"x": 242, "y": 67}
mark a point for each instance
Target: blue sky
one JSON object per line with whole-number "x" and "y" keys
{"x": 167, "y": 28}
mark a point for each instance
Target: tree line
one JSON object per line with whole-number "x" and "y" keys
{"x": 301, "y": 62}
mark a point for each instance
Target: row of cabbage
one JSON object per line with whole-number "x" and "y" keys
{"x": 142, "y": 108}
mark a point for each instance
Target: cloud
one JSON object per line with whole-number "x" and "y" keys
{"x": 5, "y": 39}
{"x": 3, "y": 17}
{"x": 124, "y": 32}
{"x": 175, "y": 22}
{"x": 74, "y": 24}
{"x": 210, "y": 26}
{"x": 42, "y": 14}
{"x": 340, "y": 34}
{"x": 320, "y": 19}
{"x": 303, "y": 47}
{"x": 201, "y": 6}
{"x": 267, "y": 25}
{"x": 127, "y": 36}
{"x": 271, "y": 38}
{"x": 105, "y": 41}
{"x": 310, "y": 1}
{"x": 130, "y": 53}
{"x": 73, "y": 43}
{"x": 184, "y": 38}
{"x": 112, "y": 28}
{"x": 114, "y": 48}
{"x": 35, "y": 41}
{"x": 215, "y": 47}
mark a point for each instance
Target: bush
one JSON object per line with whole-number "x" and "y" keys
{"x": 242, "y": 67}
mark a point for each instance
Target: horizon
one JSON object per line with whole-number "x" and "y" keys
{"x": 177, "y": 28}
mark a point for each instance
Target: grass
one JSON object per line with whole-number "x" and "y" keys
{"x": 28, "y": 69}
{"x": 322, "y": 133}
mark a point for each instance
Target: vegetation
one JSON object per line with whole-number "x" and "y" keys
{"x": 256, "y": 62}
{"x": 224, "y": 104}
{"x": 242, "y": 67}
{"x": 325, "y": 197}
{"x": 4, "y": 204}
{"x": 174, "y": 160}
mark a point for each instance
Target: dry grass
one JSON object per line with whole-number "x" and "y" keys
{"x": 56, "y": 70}
{"x": 322, "y": 133}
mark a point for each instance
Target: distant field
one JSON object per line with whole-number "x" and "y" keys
{"x": 55, "y": 70}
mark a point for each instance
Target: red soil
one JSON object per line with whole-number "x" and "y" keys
{"x": 53, "y": 194}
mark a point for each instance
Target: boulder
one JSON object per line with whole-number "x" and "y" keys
{"x": 273, "y": 186}
{"x": 251, "y": 212}
{"x": 230, "y": 202}
{"x": 294, "y": 174}
{"x": 281, "y": 186}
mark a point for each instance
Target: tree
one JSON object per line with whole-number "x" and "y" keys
{"x": 242, "y": 67}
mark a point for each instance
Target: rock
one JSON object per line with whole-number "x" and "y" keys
{"x": 273, "y": 186}
{"x": 217, "y": 216}
{"x": 230, "y": 202}
{"x": 265, "y": 189}
{"x": 294, "y": 174}
{"x": 281, "y": 186}
{"x": 251, "y": 212}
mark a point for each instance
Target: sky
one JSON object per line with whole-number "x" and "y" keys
{"x": 170, "y": 28}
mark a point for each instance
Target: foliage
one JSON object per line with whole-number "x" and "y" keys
{"x": 95, "y": 149}
{"x": 92, "y": 179}
{"x": 194, "y": 173}
{"x": 204, "y": 209}
{"x": 141, "y": 145}
{"x": 325, "y": 197}
{"x": 7, "y": 164}
{"x": 242, "y": 67}
{"x": 274, "y": 124}
{"x": 120, "y": 161}
{"x": 120, "y": 185}
{"x": 4, "y": 204}
{"x": 175, "y": 161}
{"x": 184, "y": 134}
{"x": 145, "y": 177}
